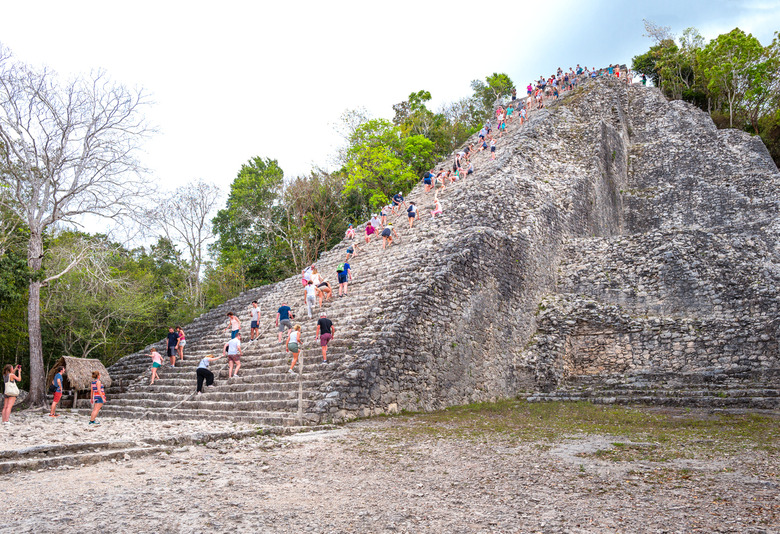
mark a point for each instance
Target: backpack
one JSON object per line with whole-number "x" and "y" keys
{"x": 340, "y": 268}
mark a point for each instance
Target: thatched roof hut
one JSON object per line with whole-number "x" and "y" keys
{"x": 78, "y": 372}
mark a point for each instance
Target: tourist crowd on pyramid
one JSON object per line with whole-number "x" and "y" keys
{"x": 316, "y": 288}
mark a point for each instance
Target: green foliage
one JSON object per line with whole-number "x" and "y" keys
{"x": 733, "y": 66}
{"x": 244, "y": 227}
{"x": 114, "y": 301}
{"x": 733, "y": 77}
{"x": 486, "y": 93}
{"x": 380, "y": 162}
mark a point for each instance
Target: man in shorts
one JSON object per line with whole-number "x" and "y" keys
{"x": 57, "y": 383}
{"x": 344, "y": 276}
{"x": 283, "y": 316}
{"x": 398, "y": 199}
{"x": 324, "y": 333}
{"x": 428, "y": 181}
{"x": 254, "y": 326}
{"x": 232, "y": 350}
{"x": 173, "y": 339}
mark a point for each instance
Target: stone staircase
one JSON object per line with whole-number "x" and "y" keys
{"x": 754, "y": 391}
{"x": 385, "y": 283}
{"x": 584, "y": 262}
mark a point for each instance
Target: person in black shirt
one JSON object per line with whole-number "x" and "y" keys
{"x": 173, "y": 339}
{"x": 325, "y": 331}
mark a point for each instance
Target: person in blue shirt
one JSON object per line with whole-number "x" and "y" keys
{"x": 283, "y": 319}
{"x": 398, "y": 199}
{"x": 345, "y": 276}
{"x": 57, "y": 384}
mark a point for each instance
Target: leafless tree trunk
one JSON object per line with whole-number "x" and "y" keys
{"x": 66, "y": 149}
{"x": 185, "y": 218}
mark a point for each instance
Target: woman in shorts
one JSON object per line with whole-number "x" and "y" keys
{"x": 350, "y": 232}
{"x": 97, "y": 397}
{"x": 352, "y": 250}
{"x": 492, "y": 149}
{"x": 387, "y": 236}
{"x": 156, "y": 364}
{"x": 440, "y": 182}
{"x": 323, "y": 287}
{"x": 182, "y": 342}
{"x": 385, "y": 212}
{"x": 411, "y": 212}
{"x": 294, "y": 345}
{"x": 370, "y": 231}
{"x": 10, "y": 378}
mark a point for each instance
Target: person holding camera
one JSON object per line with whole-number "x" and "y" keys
{"x": 11, "y": 375}
{"x": 56, "y": 388}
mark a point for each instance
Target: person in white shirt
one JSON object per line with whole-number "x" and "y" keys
{"x": 254, "y": 313}
{"x": 232, "y": 350}
{"x": 310, "y": 296}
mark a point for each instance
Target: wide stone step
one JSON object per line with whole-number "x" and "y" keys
{"x": 265, "y": 419}
{"x": 250, "y": 392}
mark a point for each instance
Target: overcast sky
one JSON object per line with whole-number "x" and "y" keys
{"x": 233, "y": 80}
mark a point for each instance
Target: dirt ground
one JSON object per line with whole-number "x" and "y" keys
{"x": 413, "y": 474}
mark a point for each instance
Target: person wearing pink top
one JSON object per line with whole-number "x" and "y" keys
{"x": 436, "y": 208}
{"x": 370, "y": 230}
{"x": 156, "y": 364}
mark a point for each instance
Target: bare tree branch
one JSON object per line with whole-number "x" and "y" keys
{"x": 67, "y": 149}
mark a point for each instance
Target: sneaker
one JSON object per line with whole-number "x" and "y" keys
{"x": 325, "y": 361}
{"x": 210, "y": 386}
{"x": 92, "y": 422}
{"x": 200, "y": 393}
{"x": 290, "y": 371}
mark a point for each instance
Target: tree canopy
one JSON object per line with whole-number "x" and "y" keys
{"x": 733, "y": 77}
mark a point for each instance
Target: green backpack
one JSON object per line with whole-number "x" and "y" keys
{"x": 340, "y": 268}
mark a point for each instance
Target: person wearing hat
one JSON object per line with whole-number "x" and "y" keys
{"x": 398, "y": 199}
{"x": 376, "y": 221}
{"x": 387, "y": 235}
{"x": 325, "y": 331}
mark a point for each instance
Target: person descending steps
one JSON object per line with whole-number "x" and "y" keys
{"x": 204, "y": 374}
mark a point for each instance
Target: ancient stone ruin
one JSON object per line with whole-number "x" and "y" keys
{"x": 620, "y": 248}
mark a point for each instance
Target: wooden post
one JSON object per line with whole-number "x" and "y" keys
{"x": 300, "y": 389}
{"x": 75, "y": 397}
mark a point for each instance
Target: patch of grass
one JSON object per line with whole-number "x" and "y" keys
{"x": 644, "y": 434}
